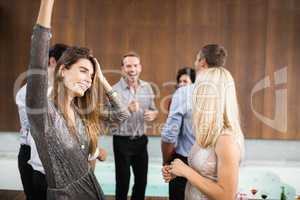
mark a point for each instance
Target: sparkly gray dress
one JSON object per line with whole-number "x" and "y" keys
{"x": 68, "y": 174}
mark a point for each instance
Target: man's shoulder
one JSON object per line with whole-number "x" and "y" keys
{"x": 184, "y": 91}
{"x": 117, "y": 85}
{"x": 145, "y": 83}
{"x": 146, "y": 86}
{"x": 21, "y": 92}
{"x": 21, "y": 96}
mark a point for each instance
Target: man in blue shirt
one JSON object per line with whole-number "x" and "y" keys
{"x": 177, "y": 134}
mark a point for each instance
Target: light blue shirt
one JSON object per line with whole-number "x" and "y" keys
{"x": 178, "y": 128}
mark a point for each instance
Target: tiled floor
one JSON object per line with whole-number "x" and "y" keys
{"x": 263, "y": 159}
{"x": 19, "y": 195}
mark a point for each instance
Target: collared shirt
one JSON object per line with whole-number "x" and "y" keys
{"x": 20, "y": 101}
{"x": 26, "y": 137}
{"x": 178, "y": 128}
{"x": 34, "y": 160}
{"x": 135, "y": 124}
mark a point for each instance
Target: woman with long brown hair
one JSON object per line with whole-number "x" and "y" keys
{"x": 65, "y": 127}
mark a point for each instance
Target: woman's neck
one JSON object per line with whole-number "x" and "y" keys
{"x": 70, "y": 114}
{"x": 69, "y": 99}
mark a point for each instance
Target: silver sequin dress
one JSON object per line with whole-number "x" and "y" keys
{"x": 64, "y": 157}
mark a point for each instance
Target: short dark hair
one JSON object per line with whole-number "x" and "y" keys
{"x": 186, "y": 71}
{"x": 130, "y": 54}
{"x": 57, "y": 50}
{"x": 214, "y": 54}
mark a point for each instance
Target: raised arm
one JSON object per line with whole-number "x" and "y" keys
{"x": 37, "y": 82}
{"x": 45, "y": 13}
{"x": 115, "y": 111}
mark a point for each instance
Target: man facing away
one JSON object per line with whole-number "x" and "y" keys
{"x": 177, "y": 135}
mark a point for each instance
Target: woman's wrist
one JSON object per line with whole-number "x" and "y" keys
{"x": 111, "y": 93}
{"x": 45, "y": 12}
{"x": 106, "y": 85}
{"x": 188, "y": 173}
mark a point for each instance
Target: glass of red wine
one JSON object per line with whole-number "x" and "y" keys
{"x": 253, "y": 191}
{"x": 264, "y": 195}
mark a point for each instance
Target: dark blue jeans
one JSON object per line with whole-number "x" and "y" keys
{"x": 177, "y": 185}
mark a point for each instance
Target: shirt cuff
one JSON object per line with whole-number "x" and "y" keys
{"x": 94, "y": 156}
{"x": 38, "y": 27}
{"x": 112, "y": 94}
{"x": 167, "y": 139}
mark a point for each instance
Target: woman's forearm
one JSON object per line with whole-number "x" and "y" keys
{"x": 115, "y": 110}
{"x": 208, "y": 187}
{"x": 37, "y": 82}
{"x": 107, "y": 87}
{"x": 45, "y": 13}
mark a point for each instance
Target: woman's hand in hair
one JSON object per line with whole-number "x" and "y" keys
{"x": 102, "y": 79}
{"x": 100, "y": 73}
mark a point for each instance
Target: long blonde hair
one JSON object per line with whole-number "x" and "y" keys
{"x": 215, "y": 106}
{"x": 86, "y": 106}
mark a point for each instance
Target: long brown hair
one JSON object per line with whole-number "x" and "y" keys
{"x": 87, "y": 105}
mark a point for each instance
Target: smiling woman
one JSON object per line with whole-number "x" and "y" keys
{"x": 65, "y": 127}
{"x": 75, "y": 82}
{"x": 77, "y": 78}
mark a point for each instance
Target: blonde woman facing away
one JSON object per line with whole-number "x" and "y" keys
{"x": 215, "y": 157}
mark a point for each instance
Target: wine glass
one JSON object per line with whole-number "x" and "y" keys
{"x": 253, "y": 192}
{"x": 264, "y": 195}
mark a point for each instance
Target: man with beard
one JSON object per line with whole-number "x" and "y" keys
{"x": 129, "y": 139}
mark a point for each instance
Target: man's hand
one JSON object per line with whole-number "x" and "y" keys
{"x": 150, "y": 115}
{"x": 102, "y": 154}
{"x": 167, "y": 176}
{"x": 133, "y": 106}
